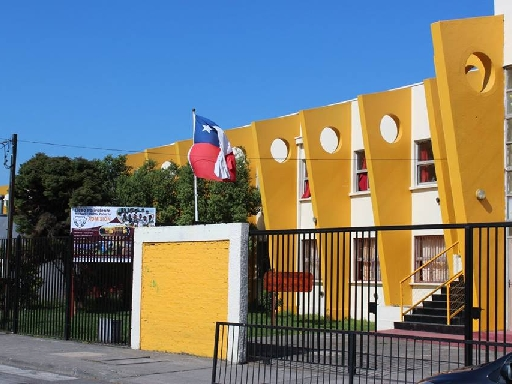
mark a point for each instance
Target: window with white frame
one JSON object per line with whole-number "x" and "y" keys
{"x": 427, "y": 248}
{"x": 366, "y": 266}
{"x": 425, "y": 168}
{"x": 508, "y": 144}
{"x": 361, "y": 175}
{"x": 304, "y": 192}
{"x": 310, "y": 259}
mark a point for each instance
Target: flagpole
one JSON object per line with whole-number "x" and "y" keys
{"x": 196, "y": 213}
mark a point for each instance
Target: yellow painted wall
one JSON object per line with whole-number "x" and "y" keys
{"x": 164, "y": 153}
{"x": 329, "y": 174}
{"x": 183, "y": 294}
{"x": 389, "y": 171}
{"x": 472, "y": 119}
{"x": 329, "y": 179}
{"x": 182, "y": 150}
{"x": 4, "y": 190}
{"x": 243, "y": 137}
{"x": 444, "y": 186}
{"x": 135, "y": 160}
{"x": 278, "y": 181}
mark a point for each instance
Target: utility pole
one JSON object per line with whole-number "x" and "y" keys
{"x": 10, "y": 215}
{"x": 10, "y": 207}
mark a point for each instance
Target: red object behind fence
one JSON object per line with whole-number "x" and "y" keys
{"x": 288, "y": 281}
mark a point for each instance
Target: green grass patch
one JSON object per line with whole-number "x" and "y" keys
{"x": 288, "y": 319}
{"x": 50, "y": 322}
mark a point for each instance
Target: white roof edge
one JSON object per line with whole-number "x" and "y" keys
{"x": 420, "y": 83}
{"x": 387, "y": 90}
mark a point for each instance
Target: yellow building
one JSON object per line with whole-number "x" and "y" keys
{"x": 411, "y": 155}
{"x": 4, "y": 198}
{"x": 435, "y": 152}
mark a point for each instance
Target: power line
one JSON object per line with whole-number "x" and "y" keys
{"x": 78, "y": 146}
{"x": 149, "y": 152}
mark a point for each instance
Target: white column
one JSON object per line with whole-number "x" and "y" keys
{"x": 504, "y": 7}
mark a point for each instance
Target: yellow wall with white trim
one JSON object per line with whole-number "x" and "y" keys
{"x": 389, "y": 176}
{"x": 278, "y": 181}
{"x": 184, "y": 292}
{"x": 472, "y": 120}
{"x": 472, "y": 113}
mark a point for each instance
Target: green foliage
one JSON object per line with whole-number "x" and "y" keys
{"x": 28, "y": 293}
{"x": 28, "y": 289}
{"x": 271, "y": 300}
{"x": 48, "y": 187}
{"x": 150, "y": 186}
{"x": 218, "y": 202}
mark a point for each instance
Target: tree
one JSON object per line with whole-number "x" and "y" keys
{"x": 47, "y": 188}
{"x": 111, "y": 169}
{"x": 218, "y": 202}
{"x": 149, "y": 186}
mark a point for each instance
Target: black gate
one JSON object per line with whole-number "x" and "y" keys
{"x": 78, "y": 289}
{"x": 309, "y": 287}
{"x": 306, "y": 278}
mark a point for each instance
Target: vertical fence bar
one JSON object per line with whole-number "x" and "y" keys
{"x": 67, "y": 259}
{"x": 506, "y": 255}
{"x": 468, "y": 295}
{"x": 351, "y": 357}
{"x": 215, "y": 353}
{"x": 17, "y": 282}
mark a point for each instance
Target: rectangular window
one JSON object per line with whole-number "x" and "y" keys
{"x": 425, "y": 249}
{"x": 361, "y": 179}
{"x": 304, "y": 192}
{"x": 367, "y": 267}
{"x": 425, "y": 168}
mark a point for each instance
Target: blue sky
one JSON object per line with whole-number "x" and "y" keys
{"x": 124, "y": 74}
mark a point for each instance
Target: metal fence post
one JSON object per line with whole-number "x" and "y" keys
{"x": 68, "y": 276}
{"x": 351, "y": 357}
{"x": 468, "y": 296}
{"x": 17, "y": 282}
{"x": 215, "y": 353}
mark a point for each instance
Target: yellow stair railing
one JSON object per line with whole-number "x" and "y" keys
{"x": 455, "y": 295}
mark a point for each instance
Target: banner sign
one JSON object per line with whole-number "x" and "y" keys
{"x": 107, "y": 231}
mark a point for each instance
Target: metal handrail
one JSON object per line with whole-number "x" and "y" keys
{"x": 446, "y": 283}
{"x": 413, "y": 273}
{"x": 450, "y": 316}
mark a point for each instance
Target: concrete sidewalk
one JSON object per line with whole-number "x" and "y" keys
{"x": 101, "y": 362}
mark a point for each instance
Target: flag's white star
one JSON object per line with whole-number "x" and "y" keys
{"x": 207, "y": 128}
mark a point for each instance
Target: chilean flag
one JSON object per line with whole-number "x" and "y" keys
{"x": 211, "y": 156}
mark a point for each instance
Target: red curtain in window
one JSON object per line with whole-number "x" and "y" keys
{"x": 363, "y": 182}
{"x": 424, "y": 174}
{"x": 307, "y": 192}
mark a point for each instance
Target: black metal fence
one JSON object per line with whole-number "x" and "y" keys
{"x": 69, "y": 288}
{"x": 304, "y": 277}
{"x": 258, "y": 354}
{"x": 327, "y": 284}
